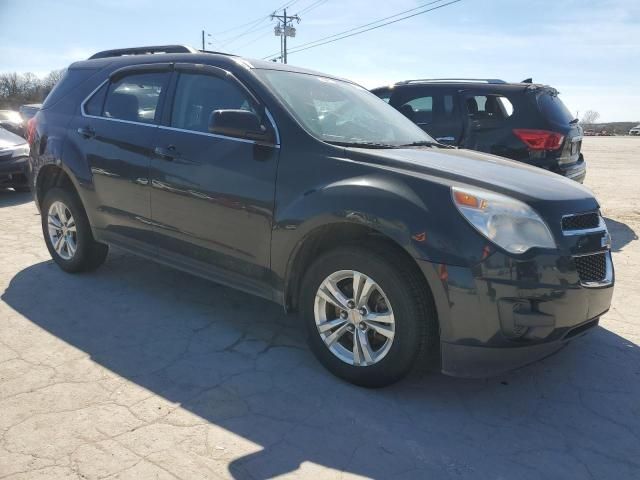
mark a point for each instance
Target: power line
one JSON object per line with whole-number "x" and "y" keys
{"x": 313, "y": 6}
{"x": 269, "y": 31}
{"x": 358, "y": 30}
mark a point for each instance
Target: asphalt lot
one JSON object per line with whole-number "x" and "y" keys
{"x": 137, "y": 371}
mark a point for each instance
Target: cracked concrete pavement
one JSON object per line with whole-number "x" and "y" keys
{"x": 137, "y": 371}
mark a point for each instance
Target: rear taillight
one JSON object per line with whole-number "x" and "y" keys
{"x": 31, "y": 130}
{"x": 539, "y": 139}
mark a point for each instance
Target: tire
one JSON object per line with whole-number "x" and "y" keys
{"x": 400, "y": 295}
{"x": 81, "y": 253}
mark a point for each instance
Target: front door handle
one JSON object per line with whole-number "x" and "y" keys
{"x": 86, "y": 132}
{"x": 169, "y": 153}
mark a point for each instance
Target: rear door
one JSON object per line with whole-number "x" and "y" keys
{"x": 114, "y": 134}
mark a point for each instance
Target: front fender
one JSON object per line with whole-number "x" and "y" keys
{"x": 417, "y": 216}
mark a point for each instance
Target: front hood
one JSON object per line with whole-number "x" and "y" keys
{"x": 465, "y": 167}
{"x": 10, "y": 140}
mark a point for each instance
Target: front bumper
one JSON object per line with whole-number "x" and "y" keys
{"x": 13, "y": 171}
{"x": 505, "y": 313}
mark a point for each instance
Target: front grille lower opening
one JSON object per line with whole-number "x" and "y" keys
{"x": 592, "y": 268}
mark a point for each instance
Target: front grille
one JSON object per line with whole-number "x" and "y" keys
{"x": 581, "y": 221}
{"x": 592, "y": 268}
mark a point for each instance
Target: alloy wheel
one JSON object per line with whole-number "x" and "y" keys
{"x": 62, "y": 230}
{"x": 354, "y": 318}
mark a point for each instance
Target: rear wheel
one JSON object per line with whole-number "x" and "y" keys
{"x": 67, "y": 233}
{"x": 368, "y": 314}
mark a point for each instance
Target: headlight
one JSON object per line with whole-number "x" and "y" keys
{"x": 505, "y": 221}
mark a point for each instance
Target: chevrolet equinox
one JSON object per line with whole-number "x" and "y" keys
{"x": 310, "y": 191}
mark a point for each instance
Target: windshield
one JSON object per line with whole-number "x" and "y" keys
{"x": 340, "y": 112}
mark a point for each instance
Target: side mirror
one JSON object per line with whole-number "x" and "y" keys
{"x": 238, "y": 124}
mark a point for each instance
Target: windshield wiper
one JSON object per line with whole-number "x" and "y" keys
{"x": 363, "y": 144}
{"x": 426, "y": 143}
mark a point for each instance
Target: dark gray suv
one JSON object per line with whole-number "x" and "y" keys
{"x": 310, "y": 191}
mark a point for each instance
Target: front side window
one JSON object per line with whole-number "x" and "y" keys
{"x": 337, "y": 111}
{"x": 135, "y": 97}
{"x": 197, "y": 96}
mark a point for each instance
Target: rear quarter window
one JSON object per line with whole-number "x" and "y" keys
{"x": 72, "y": 78}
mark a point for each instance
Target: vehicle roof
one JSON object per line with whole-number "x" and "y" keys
{"x": 205, "y": 58}
{"x": 492, "y": 85}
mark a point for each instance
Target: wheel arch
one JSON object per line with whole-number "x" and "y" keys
{"x": 49, "y": 176}
{"x": 328, "y": 236}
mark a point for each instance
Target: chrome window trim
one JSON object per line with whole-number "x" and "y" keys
{"x": 602, "y": 227}
{"x": 215, "y": 135}
{"x": 155, "y": 125}
{"x": 608, "y": 277}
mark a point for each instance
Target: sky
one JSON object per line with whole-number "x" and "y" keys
{"x": 588, "y": 50}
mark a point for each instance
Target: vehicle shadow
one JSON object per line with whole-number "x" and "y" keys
{"x": 621, "y": 234}
{"x": 9, "y": 198}
{"x": 240, "y": 364}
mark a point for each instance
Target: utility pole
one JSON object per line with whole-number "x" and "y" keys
{"x": 204, "y": 42}
{"x": 283, "y": 30}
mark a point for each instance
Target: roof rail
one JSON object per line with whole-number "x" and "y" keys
{"x": 119, "y": 52}
{"x": 453, "y": 80}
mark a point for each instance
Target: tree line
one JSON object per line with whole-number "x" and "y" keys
{"x": 21, "y": 88}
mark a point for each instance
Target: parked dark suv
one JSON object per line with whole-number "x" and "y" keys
{"x": 522, "y": 121}
{"x": 310, "y": 191}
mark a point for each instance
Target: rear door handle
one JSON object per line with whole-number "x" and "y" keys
{"x": 86, "y": 132}
{"x": 169, "y": 153}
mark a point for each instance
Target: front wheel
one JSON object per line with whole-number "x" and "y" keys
{"x": 368, "y": 314}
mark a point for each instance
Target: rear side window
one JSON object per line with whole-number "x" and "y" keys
{"x": 489, "y": 107}
{"x": 135, "y": 98}
{"x": 70, "y": 79}
{"x": 553, "y": 109}
{"x": 197, "y": 96}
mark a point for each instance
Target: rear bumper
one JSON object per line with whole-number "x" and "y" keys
{"x": 576, "y": 171}
{"x": 13, "y": 171}
{"x": 505, "y": 313}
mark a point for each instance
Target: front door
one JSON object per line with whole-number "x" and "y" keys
{"x": 212, "y": 196}
{"x": 435, "y": 111}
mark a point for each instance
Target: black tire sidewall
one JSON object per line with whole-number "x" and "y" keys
{"x": 84, "y": 238}
{"x": 408, "y": 327}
